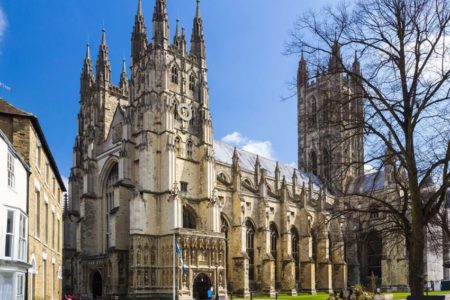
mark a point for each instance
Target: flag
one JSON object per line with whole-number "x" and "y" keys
{"x": 180, "y": 256}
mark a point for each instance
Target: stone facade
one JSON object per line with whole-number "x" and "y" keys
{"x": 45, "y": 188}
{"x": 147, "y": 171}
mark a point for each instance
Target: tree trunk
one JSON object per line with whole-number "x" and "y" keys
{"x": 416, "y": 248}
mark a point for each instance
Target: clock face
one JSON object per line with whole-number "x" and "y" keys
{"x": 185, "y": 112}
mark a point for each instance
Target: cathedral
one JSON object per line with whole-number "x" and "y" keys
{"x": 159, "y": 209}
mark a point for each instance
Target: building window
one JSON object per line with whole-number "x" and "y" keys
{"x": 23, "y": 238}
{"x": 9, "y": 238}
{"x": 109, "y": 197}
{"x": 175, "y": 75}
{"x": 58, "y": 237}
{"x": 177, "y": 145}
{"x": 189, "y": 149}
{"x": 53, "y": 230}
{"x": 44, "y": 277}
{"x": 183, "y": 186}
{"x": 189, "y": 218}
{"x": 326, "y": 165}
{"x": 250, "y": 238}
{"x": 273, "y": 247}
{"x": 374, "y": 212}
{"x": 20, "y": 286}
{"x": 38, "y": 155}
{"x": 313, "y": 113}
{"x": 191, "y": 82}
{"x": 46, "y": 223}
{"x": 11, "y": 175}
{"x": 314, "y": 163}
{"x": 47, "y": 172}
{"x": 295, "y": 253}
{"x": 37, "y": 214}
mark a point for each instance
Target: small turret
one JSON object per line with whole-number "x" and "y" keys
{"x": 139, "y": 40}
{"x": 257, "y": 170}
{"x": 124, "y": 77}
{"x": 277, "y": 176}
{"x": 335, "y": 63}
{"x": 302, "y": 74}
{"x": 103, "y": 65}
{"x": 87, "y": 73}
{"x": 179, "y": 39}
{"x": 198, "y": 48}
{"x": 160, "y": 25}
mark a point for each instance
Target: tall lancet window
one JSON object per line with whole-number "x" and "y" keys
{"x": 273, "y": 248}
{"x": 175, "y": 75}
{"x": 191, "y": 82}
{"x": 314, "y": 162}
{"x": 295, "y": 252}
{"x": 190, "y": 149}
{"x": 250, "y": 250}
{"x": 109, "y": 196}
{"x": 326, "y": 165}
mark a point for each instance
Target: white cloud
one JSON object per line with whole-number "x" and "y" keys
{"x": 3, "y": 23}
{"x": 369, "y": 169}
{"x": 262, "y": 148}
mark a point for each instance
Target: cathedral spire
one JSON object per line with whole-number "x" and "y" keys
{"x": 179, "y": 39}
{"x": 335, "y": 62}
{"x": 197, "y": 39}
{"x": 160, "y": 25}
{"x": 124, "y": 77}
{"x": 139, "y": 40}
{"x": 103, "y": 66}
{"x": 87, "y": 72}
{"x": 302, "y": 74}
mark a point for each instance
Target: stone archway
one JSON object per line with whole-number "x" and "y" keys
{"x": 97, "y": 285}
{"x": 202, "y": 284}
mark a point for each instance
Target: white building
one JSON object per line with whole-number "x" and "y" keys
{"x": 13, "y": 221}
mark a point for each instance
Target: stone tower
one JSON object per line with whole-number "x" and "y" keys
{"x": 329, "y": 106}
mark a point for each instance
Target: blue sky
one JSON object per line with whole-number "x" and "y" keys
{"x": 42, "y": 44}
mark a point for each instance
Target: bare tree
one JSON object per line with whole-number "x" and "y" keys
{"x": 402, "y": 46}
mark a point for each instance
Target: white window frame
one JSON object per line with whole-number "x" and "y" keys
{"x": 10, "y": 170}
{"x": 22, "y": 237}
{"x": 20, "y": 284}
{"x": 9, "y": 234}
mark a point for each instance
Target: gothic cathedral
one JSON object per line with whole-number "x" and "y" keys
{"x": 159, "y": 209}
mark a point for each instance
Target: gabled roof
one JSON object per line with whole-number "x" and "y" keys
{"x": 247, "y": 160}
{"x": 7, "y": 108}
{"x": 14, "y": 151}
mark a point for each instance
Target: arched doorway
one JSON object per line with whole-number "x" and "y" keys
{"x": 97, "y": 285}
{"x": 202, "y": 284}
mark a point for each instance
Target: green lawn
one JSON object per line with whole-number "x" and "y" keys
{"x": 323, "y": 296}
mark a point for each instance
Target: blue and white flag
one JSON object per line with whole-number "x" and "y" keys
{"x": 180, "y": 255}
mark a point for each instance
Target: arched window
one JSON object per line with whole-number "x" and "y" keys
{"x": 178, "y": 145}
{"x": 189, "y": 218}
{"x": 225, "y": 229}
{"x": 314, "y": 162}
{"x": 189, "y": 149}
{"x": 326, "y": 165}
{"x": 175, "y": 75}
{"x": 295, "y": 252}
{"x": 191, "y": 82}
{"x": 250, "y": 249}
{"x": 109, "y": 196}
{"x": 374, "y": 246}
{"x": 313, "y": 113}
{"x": 273, "y": 248}
{"x": 374, "y": 212}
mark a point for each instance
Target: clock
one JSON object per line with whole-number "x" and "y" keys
{"x": 185, "y": 112}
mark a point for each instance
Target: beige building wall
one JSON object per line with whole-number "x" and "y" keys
{"x": 44, "y": 207}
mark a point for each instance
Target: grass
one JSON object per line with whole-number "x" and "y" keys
{"x": 324, "y": 296}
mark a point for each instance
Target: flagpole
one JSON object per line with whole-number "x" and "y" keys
{"x": 174, "y": 250}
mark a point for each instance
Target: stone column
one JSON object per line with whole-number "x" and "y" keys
{"x": 307, "y": 267}
{"x": 268, "y": 276}
{"x": 288, "y": 277}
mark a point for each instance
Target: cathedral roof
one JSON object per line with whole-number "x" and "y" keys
{"x": 370, "y": 182}
{"x": 247, "y": 160}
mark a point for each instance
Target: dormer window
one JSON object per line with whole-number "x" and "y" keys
{"x": 175, "y": 75}
{"x": 191, "y": 82}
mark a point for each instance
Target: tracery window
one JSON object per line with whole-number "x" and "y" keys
{"x": 189, "y": 149}
{"x": 175, "y": 75}
{"x": 250, "y": 249}
{"x": 273, "y": 247}
{"x": 295, "y": 252}
{"x": 314, "y": 162}
{"x": 326, "y": 165}
{"x": 191, "y": 82}
{"x": 109, "y": 196}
